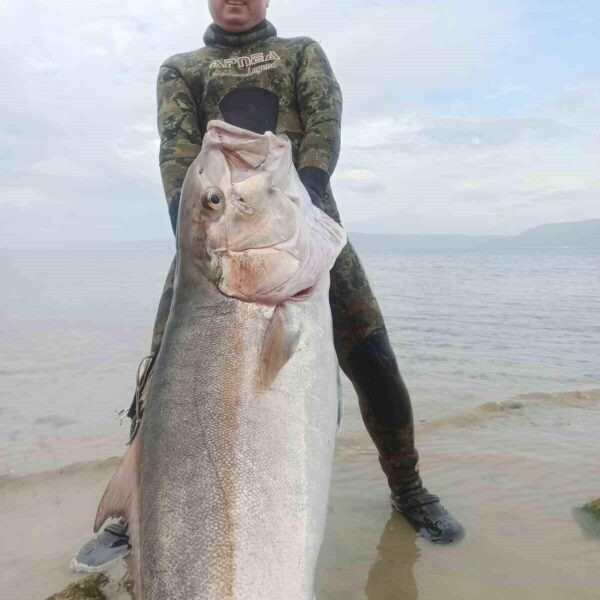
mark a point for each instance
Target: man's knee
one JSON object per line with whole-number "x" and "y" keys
{"x": 354, "y": 308}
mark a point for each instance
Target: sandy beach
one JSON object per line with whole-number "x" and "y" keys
{"x": 512, "y": 472}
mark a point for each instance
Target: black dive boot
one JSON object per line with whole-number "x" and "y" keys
{"x": 387, "y": 413}
{"x": 429, "y": 518}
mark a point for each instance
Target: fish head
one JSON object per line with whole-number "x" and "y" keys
{"x": 247, "y": 223}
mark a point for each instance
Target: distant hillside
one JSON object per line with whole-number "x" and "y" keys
{"x": 576, "y": 234}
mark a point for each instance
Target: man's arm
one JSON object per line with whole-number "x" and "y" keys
{"x": 320, "y": 103}
{"x": 180, "y": 135}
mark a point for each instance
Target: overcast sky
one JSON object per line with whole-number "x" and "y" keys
{"x": 460, "y": 116}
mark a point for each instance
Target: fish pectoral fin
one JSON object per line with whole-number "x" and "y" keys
{"x": 279, "y": 344}
{"x": 121, "y": 496}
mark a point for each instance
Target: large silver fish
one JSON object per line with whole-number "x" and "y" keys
{"x": 225, "y": 486}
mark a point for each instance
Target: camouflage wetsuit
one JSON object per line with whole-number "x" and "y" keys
{"x": 258, "y": 66}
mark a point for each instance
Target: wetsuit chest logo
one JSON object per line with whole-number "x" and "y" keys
{"x": 242, "y": 66}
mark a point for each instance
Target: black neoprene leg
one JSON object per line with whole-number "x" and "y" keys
{"x": 366, "y": 356}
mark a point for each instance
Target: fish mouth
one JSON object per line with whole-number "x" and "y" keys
{"x": 285, "y": 244}
{"x": 258, "y": 274}
{"x": 303, "y": 294}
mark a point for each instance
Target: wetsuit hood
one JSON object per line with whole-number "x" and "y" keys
{"x": 216, "y": 36}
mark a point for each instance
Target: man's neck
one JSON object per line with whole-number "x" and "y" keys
{"x": 257, "y": 27}
{"x": 216, "y": 36}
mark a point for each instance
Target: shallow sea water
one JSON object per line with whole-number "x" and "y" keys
{"x": 472, "y": 331}
{"x": 511, "y": 476}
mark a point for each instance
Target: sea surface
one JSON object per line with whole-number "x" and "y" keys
{"x": 468, "y": 327}
{"x": 500, "y": 350}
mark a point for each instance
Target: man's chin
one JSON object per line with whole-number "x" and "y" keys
{"x": 234, "y": 27}
{"x": 236, "y": 24}
{"x": 235, "y": 16}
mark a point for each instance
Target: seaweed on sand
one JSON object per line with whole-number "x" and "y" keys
{"x": 88, "y": 588}
{"x": 588, "y": 517}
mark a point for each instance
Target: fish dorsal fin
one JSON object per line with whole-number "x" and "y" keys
{"x": 279, "y": 344}
{"x": 121, "y": 499}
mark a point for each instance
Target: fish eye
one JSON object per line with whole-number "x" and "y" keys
{"x": 213, "y": 200}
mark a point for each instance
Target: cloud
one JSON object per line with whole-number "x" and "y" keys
{"x": 455, "y": 120}
{"x": 382, "y": 50}
{"x": 446, "y": 174}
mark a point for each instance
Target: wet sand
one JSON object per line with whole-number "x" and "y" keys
{"x": 512, "y": 472}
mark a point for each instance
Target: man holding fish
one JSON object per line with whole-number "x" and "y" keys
{"x": 250, "y": 78}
